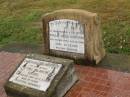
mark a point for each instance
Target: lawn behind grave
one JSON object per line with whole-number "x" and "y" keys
{"x": 19, "y": 20}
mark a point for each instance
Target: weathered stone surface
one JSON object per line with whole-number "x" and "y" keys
{"x": 89, "y": 44}
{"x": 61, "y": 83}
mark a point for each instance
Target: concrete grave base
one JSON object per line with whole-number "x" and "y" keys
{"x": 59, "y": 86}
{"x": 66, "y": 83}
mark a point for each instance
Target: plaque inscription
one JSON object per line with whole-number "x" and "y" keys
{"x": 35, "y": 74}
{"x": 66, "y": 35}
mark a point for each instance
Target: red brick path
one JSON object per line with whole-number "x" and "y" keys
{"x": 93, "y": 82}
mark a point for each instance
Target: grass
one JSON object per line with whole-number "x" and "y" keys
{"x": 18, "y": 16}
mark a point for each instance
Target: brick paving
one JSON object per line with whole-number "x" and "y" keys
{"x": 93, "y": 82}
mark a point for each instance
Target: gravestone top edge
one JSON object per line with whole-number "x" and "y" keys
{"x": 70, "y": 12}
{"x": 49, "y": 58}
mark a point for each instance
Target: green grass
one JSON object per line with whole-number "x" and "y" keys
{"x": 16, "y": 30}
{"x": 18, "y": 16}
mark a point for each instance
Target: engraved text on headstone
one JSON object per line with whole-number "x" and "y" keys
{"x": 66, "y": 35}
{"x": 35, "y": 74}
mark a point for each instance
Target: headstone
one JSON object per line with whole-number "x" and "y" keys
{"x": 74, "y": 34}
{"x": 41, "y": 76}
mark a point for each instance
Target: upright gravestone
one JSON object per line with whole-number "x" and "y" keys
{"x": 73, "y": 33}
{"x": 41, "y": 76}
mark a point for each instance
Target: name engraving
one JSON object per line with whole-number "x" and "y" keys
{"x": 66, "y": 35}
{"x": 36, "y": 74}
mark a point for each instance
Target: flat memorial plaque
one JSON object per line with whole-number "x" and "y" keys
{"x": 35, "y": 74}
{"x": 66, "y": 35}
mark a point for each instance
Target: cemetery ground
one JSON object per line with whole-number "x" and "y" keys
{"x": 21, "y": 33}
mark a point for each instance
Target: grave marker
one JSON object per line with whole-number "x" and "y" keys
{"x": 74, "y": 34}
{"x": 41, "y": 76}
